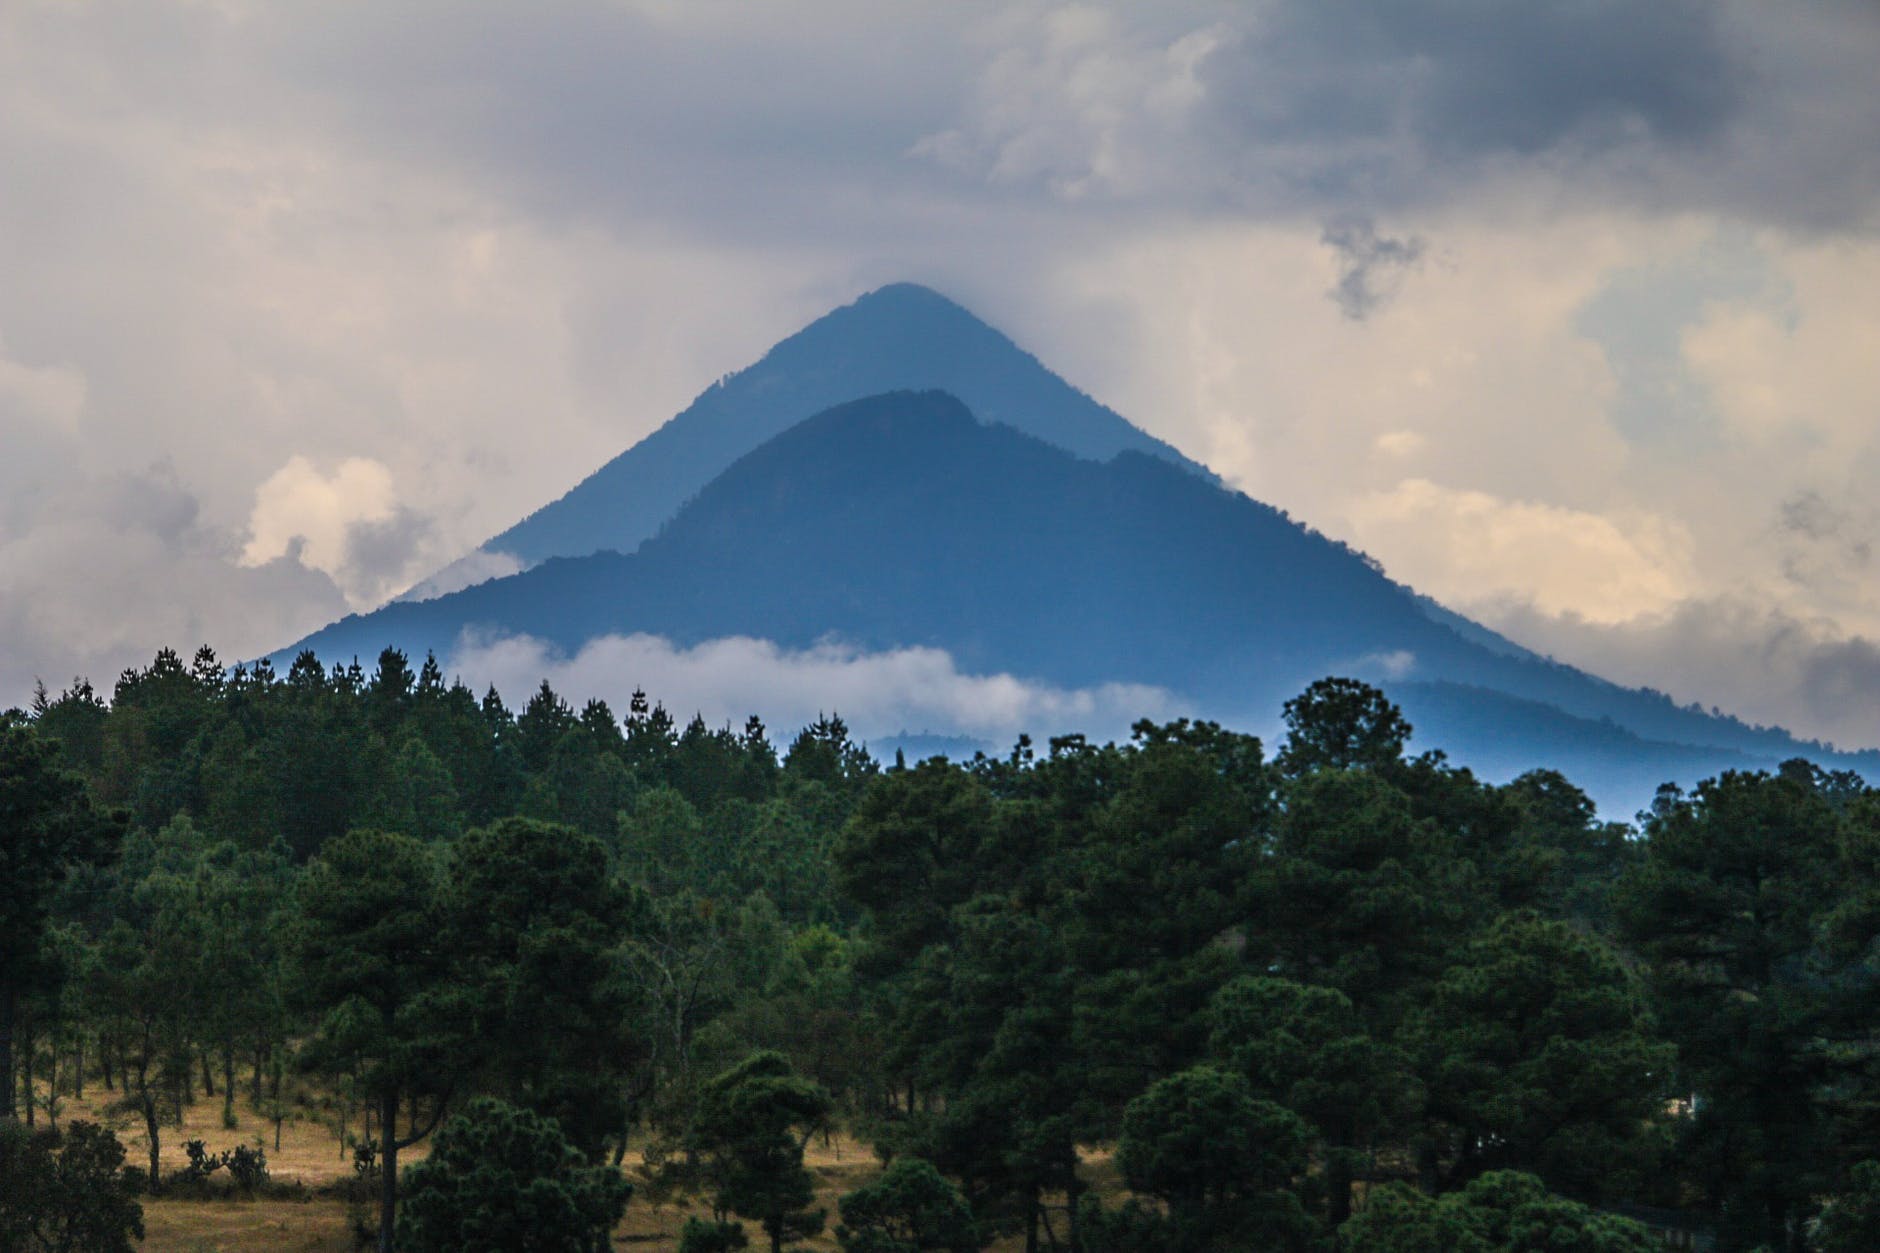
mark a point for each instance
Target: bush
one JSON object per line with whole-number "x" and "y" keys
{"x": 1851, "y": 1222}
{"x": 248, "y": 1167}
{"x": 1504, "y": 1211}
{"x": 65, "y": 1191}
{"x": 503, "y": 1178}
{"x": 701, "y": 1235}
{"x": 910, "y": 1209}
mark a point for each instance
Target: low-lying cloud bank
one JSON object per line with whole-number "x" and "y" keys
{"x": 1763, "y": 664}
{"x": 877, "y": 693}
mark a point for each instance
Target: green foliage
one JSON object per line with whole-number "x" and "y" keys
{"x": 1851, "y": 1222}
{"x": 702, "y": 1235}
{"x": 1538, "y": 1057}
{"x": 533, "y": 922}
{"x": 753, "y": 1122}
{"x": 1341, "y": 724}
{"x": 505, "y": 1180}
{"x": 1307, "y": 1049}
{"x": 371, "y": 949}
{"x": 423, "y": 898}
{"x": 1224, "y": 1163}
{"x": 65, "y": 1192}
{"x": 911, "y": 1208}
{"x": 49, "y": 824}
{"x": 1501, "y": 1212}
{"x": 1726, "y": 905}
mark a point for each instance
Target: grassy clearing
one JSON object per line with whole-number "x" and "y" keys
{"x": 311, "y": 1154}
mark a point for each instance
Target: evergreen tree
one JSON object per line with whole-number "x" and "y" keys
{"x": 754, "y": 1121}
{"x": 504, "y": 1180}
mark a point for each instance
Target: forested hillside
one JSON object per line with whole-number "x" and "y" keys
{"x": 1178, "y": 993}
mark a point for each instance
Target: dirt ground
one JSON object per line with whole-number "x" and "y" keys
{"x": 311, "y": 1153}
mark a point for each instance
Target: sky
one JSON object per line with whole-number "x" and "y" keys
{"x": 1567, "y": 311}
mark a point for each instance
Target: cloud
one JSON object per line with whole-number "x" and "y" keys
{"x": 1761, "y": 663}
{"x": 382, "y": 554}
{"x": 108, "y": 569}
{"x": 51, "y": 396}
{"x": 878, "y": 694}
{"x": 317, "y": 514}
{"x": 1371, "y": 267}
{"x": 486, "y": 248}
{"x": 1469, "y": 548}
{"x": 1316, "y": 108}
{"x": 477, "y": 566}
{"x": 1085, "y": 103}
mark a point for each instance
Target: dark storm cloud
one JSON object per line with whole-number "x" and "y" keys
{"x": 1470, "y": 79}
{"x": 1371, "y": 267}
{"x": 382, "y": 551}
{"x": 1740, "y": 108}
{"x": 776, "y": 126}
{"x": 1764, "y": 664}
{"x": 1823, "y": 546}
{"x": 732, "y": 118}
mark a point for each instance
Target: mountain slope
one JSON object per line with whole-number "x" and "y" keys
{"x": 899, "y": 520}
{"x": 900, "y": 337}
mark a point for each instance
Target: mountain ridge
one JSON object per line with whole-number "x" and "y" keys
{"x": 902, "y": 520}
{"x": 902, "y": 336}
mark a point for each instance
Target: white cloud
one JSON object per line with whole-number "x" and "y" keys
{"x": 1469, "y": 548}
{"x": 876, "y": 693}
{"x": 1761, "y": 663}
{"x": 1802, "y": 375}
{"x": 299, "y": 507}
{"x": 51, "y": 396}
{"x": 108, "y": 569}
{"x": 479, "y": 566}
{"x": 1084, "y": 101}
{"x": 486, "y": 248}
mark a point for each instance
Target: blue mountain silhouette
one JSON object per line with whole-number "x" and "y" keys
{"x": 901, "y": 519}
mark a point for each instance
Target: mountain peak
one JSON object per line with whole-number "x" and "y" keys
{"x": 904, "y": 293}
{"x": 901, "y": 337}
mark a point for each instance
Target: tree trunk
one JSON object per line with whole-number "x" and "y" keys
{"x": 1338, "y": 1174}
{"x": 1031, "y": 1222}
{"x": 228, "y": 1084}
{"x": 26, "y": 1076}
{"x": 208, "y": 1079}
{"x": 6, "y": 1050}
{"x": 52, "y": 1083}
{"x": 257, "y": 1088}
{"x": 78, "y": 1066}
{"x": 388, "y": 1168}
{"x": 1337, "y": 1187}
{"x": 1073, "y": 1194}
{"x": 150, "y": 1128}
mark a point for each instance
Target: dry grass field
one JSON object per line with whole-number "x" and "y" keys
{"x": 311, "y": 1154}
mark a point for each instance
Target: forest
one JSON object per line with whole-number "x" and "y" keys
{"x": 1188, "y": 992}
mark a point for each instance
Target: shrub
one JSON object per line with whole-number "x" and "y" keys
{"x": 65, "y": 1191}
{"x": 910, "y": 1209}
{"x": 500, "y": 1177}
{"x": 248, "y": 1167}
{"x": 700, "y": 1235}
